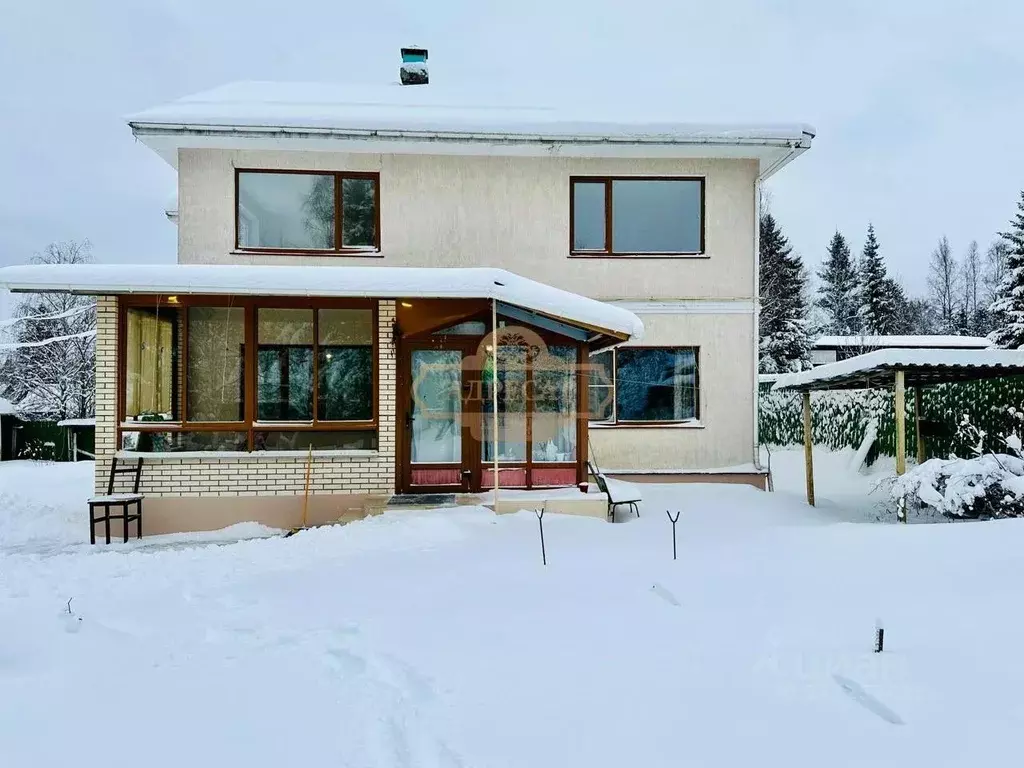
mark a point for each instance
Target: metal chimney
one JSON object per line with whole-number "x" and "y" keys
{"x": 414, "y": 66}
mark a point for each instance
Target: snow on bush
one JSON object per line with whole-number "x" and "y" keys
{"x": 988, "y": 485}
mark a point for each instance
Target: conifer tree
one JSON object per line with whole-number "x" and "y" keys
{"x": 877, "y": 309}
{"x": 837, "y": 295}
{"x": 1008, "y": 307}
{"x": 784, "y": 343}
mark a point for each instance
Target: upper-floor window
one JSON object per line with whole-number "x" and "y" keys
{"x": 307, "y": 212}
{"x": 636, "y": 216}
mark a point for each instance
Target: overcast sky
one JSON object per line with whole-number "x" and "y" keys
{"x": 917, "y": 103}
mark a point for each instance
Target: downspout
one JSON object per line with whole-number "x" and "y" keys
{"x": 757, "y": 319}
{"x": 763, "y": 174}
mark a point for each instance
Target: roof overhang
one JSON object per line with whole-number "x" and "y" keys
{"x": 606, "y": 324}
{"x": 464, "y": 118}
{"x": 921, "y": 368}
{"x": 871, "y": 343}
{"x": 772, "y": 152}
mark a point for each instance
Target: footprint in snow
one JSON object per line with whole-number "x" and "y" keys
{"x": 665, "y": 595}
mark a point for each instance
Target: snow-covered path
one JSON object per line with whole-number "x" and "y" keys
{"x": 439, "y": 639}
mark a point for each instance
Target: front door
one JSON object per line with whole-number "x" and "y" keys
{"x": 439, "y": 451}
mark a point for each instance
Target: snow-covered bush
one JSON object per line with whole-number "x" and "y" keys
{"x": 988, "y": 485}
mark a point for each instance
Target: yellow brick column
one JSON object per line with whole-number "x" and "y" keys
{"x": 106, "y": 388}
{"x": 387, "y": 359}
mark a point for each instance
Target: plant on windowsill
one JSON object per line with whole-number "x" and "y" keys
{"x": 149, "y": 442}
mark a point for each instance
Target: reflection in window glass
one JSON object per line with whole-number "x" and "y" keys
{"x": 656, "y": 384}
{"x": 284, "y": 365}
{"x": 216, "y": 355}
{"x": 467, "y": 328}
{"x": 345, "y": 347}
{"x": 554, "y": 404}
{"x": 588, "y": 230}
{"x": 359, "y": 221}
{"x": 151, "y": 364}
{"x": 601, "y": 382}
{"x": 656, "y": 215}
{"x": 285, "y": 210}
{"x": 175, "y": 442}
{"x": 511, "y": 405}
{"x": 436, "y": 407}
{"x": 357, "y": 440}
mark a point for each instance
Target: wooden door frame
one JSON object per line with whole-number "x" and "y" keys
{"x": 470, "y": 448}
{"x": 472, "y": 403}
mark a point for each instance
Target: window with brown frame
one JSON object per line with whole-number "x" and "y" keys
{"x": 657, "y": 216}
{"x": 307, "y": 211}
{"x": 641, "y": 386}
{"x": 240, "y": 374}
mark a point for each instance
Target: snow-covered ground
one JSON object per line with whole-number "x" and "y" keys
{"x": 438, "y": 639}
{"x": 841, "y": 494}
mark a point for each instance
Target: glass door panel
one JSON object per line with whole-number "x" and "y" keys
{"x": 435, "y": 417}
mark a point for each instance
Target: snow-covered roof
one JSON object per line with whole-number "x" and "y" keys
{"x": 903, "y": 342}
{"x": 378, "y": 282}
{"x": 91, "y": 422}
{"x": 921, "y": 367}
{"x": 440, "y": 119}
{"x": 6, "y": 407}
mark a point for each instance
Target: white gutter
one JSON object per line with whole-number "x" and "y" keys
{"x": 795, "y": 151}
{"x": 140, "y": 129}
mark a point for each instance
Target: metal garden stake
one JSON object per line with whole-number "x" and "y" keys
{"x": 540, "y": 522}
{"x": 673, "y": 520}
{"x": 879, "y": 636}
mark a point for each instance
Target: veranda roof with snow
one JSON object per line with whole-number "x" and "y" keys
{"x": 316, "y": 281}
{"x": 902, "y": 342}
{"x": 921, "y": 367}
{"x": 438, "y": 118}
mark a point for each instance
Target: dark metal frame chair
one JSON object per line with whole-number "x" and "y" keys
{"x": 124, "y": 501}
{"x": 612, "y": 504}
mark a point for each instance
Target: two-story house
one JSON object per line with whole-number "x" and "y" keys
{"x": 402, "y": 289}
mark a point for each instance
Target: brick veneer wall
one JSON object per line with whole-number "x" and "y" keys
{"x": 252, "y": 475}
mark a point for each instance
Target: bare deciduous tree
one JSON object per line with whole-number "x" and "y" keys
{"x": 971, "y": 280}
{"x": 49, "y": 368}
{"x": 943, "y": 285}
{"x": 995, "y": 269}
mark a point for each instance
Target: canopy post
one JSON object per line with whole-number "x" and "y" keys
{"x": 918, "y": 409}
{"x": 808, "y": 449}
{"x": 901, "y": 424}
{"x": 494, "y": 396}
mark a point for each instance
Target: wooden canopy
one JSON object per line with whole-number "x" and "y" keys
{"x": 897, "y": 369}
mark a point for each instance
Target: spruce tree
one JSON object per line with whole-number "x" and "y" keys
{"x": 837, "y": 295}
{"x": 784, "y": 343}
{"x": 902, "y": 315}
{"x": 877, "y": 307}
{"x": 1008, "y": 307}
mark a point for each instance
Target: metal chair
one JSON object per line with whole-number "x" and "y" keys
{"x": 614, "y": 500}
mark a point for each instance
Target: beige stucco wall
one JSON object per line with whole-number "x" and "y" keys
{"x": 510, "y": 212}
{"x": 348, "y": 479}
{"x": 725, "y": 436}
{"x": 513, "y": 212}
